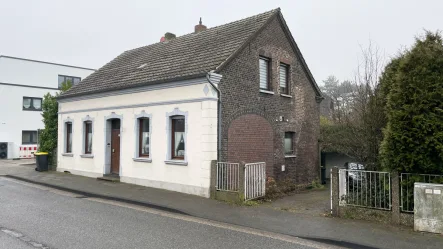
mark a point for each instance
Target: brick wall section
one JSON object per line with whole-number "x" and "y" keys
{"x": 241, "y": 96}
{"x": 251, "y": 139}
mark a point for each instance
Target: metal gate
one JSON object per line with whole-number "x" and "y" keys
{"x": 255, "y": 180}
{"x": 228, "y": 177}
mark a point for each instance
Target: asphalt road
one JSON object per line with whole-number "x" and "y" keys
{"x": 32, "y": 216}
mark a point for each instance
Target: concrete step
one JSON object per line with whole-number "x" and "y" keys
{"x": 109, "y": 178}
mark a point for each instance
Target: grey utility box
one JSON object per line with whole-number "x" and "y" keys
{"x": 428, "y": 207}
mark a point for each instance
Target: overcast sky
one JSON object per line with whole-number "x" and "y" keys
{"x": 90, "y": 33}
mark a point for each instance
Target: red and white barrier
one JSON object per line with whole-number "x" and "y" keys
{"x": 27, "y": 151}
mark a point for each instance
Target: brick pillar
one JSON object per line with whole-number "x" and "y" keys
{"x": 335, "y": 195}
{"x": 213, "y": 180}
{"x": 395, "y": 197}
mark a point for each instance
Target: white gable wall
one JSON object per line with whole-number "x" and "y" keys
{"x": 201, "y": 137}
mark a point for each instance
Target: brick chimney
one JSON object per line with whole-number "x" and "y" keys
{"x": 200, "y": 27}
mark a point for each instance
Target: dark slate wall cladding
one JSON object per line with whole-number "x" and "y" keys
{"x": 241, "y": 96}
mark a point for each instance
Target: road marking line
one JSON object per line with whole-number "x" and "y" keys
{"x": 251, "y": 231}
{"x": 23, "y": 238}
{"x": 12, "y": 233}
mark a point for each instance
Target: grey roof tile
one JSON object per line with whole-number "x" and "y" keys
{"x": 185, "y": 56}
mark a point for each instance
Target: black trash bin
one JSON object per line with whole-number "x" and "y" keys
{"x": 323, "y": 175}
{"x": 41, "y": 159}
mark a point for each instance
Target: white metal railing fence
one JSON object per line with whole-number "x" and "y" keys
{"x": 255, "y": 180}
{"x": 407, "y": 181}
{"x": 369, "y": 189}
{"x": 228, "y": 177}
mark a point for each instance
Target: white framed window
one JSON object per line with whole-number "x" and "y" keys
{"x": 88, "y": 135}
{"x": 289, "y": 144}
{"x": 68, "y": 135}
{"x": 284, "y": 78}
{"x": 143, "y": 130}
{"x": 68, "y": 131}
{"x": 143, "y": 137}
{"x": 177, "y": 123}
{"x": 178, "y": 148}
{"x": 264, "y": 66}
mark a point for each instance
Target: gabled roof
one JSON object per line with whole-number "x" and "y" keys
{"x": 185, "y": 57}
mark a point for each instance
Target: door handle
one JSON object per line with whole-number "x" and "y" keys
{"x": 113, "y": 150}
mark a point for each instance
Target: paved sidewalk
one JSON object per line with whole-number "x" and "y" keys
{"x": 350, "y": 233}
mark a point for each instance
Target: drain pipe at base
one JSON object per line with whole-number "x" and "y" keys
{"x": 211, "y": 76}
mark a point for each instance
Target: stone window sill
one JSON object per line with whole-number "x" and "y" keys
{"x": 177, "y": 162}
{"x": 68, "y": 154}
{"x": 87, "y": 156}
{"x": 266, "y": 91}
{"x": 290, "y": 156}
{"x": 285, "y": 95}
{"x": 142, "y": 159}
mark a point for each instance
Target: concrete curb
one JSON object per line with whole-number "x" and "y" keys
{"x": 94, "y": 195}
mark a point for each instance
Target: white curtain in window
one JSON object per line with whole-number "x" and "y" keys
{"x": 26, "y": 103}
{"x": 69, "y": 137}
{"x": 179, "y": 145}
{"x": 283, "y": 79}
{"x": 70, "y": 142}
{"x": 90, "y": 141}
{"x": 37, "y": 103}
{"x": 288, "y": 144}
{"x": 145, "y": 143}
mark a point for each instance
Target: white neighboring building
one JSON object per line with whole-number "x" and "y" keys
{"x": 23, "y": 83}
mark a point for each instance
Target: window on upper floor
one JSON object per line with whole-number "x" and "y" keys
{"x": 29, "y": 137}
{"x": 264, "y": 64}
{"x": 64, "y": 79}
{"x": 284, "y": 78}
{"x": 32, "y": 104}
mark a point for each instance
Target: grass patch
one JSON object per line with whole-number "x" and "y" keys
{"x": 277, "y": 189}
{"x": 316, "y": 185}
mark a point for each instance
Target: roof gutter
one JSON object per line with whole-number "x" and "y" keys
{"x": 214, "y": 79}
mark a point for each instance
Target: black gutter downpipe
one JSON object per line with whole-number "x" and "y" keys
{"x": 219, "y": 114}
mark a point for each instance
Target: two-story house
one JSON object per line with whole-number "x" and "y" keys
{"x": 23, "y": 83}
{"x": 158, "y": 115}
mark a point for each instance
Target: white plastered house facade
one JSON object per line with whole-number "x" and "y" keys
{"x": 193, "y": 100}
